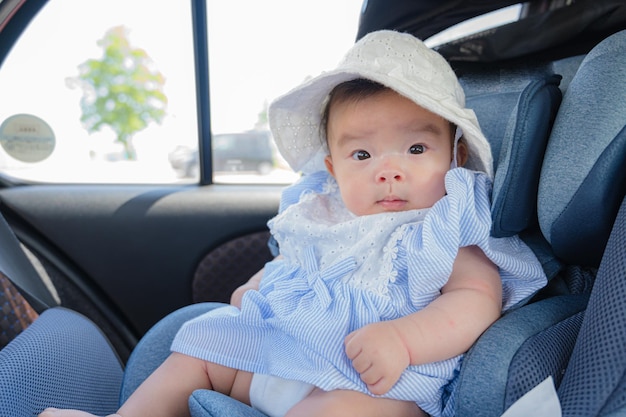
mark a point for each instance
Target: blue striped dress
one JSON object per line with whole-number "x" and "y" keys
{"x": 340, "y": 272}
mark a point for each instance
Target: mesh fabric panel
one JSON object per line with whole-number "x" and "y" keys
{"x": 61, "y": 360}
{"x": 546, "y": 353}
{"x": 596, "y": 369}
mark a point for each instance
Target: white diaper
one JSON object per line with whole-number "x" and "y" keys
{"x": 274, "y": 396}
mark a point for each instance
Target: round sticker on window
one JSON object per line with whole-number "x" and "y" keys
{"x": 27, "y": 138}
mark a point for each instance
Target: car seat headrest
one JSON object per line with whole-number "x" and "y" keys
{"x": 583, "y": 178}
{"x": 515, "y": 108}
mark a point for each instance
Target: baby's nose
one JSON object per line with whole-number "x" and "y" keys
{"x": 390, "y": 174}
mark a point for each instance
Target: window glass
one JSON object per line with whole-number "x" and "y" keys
{"x": 103, "y": 91}
{"x": 124, "y": 67}
{"x": 259, "y": 50}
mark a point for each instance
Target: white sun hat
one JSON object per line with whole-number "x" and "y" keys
{"x": 397, "y": 60}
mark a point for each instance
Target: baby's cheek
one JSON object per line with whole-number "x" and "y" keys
{"x": 355, "y": 199}
{"x": 353, "y": 204}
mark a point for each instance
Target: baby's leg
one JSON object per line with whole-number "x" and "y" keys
{"x": 166, "y": 391}
{"x": 352, "y": 404}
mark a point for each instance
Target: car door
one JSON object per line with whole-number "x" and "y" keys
{"x": 115, "y": 231}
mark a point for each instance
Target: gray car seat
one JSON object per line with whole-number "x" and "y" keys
{"x": 582, "y": 184}
{"x": 594, "y": 114}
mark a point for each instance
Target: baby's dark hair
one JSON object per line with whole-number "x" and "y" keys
{"x": 354, "y": 90}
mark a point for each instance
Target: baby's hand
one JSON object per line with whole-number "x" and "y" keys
{"x": 378, "y": 354}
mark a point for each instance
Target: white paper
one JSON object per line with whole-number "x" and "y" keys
{"x": 541, "y": 401}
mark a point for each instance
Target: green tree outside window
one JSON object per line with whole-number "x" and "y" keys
{"x": 121, "y": 90}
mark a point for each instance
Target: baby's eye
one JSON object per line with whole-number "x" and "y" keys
{"x": 360, "y": 155}
{"x": 417, "y": 149}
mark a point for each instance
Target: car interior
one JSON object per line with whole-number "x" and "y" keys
{"x": 549, "y": 91}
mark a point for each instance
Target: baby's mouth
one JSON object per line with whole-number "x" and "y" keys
{"x": 392, "y": 203}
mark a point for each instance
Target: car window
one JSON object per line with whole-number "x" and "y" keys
{"x": 109, "y": 95}
{"x": 292, "y": 41}
{"x": 105, "y": 87}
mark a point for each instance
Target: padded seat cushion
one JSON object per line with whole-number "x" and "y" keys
{"x": 61, "y": 360}
{"x": 515, "y": 111}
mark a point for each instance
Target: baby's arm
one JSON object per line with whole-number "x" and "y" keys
{"x": 469, "y": 303}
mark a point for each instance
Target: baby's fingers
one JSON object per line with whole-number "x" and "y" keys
{"x": 361, "y": 364}
{"x": 377, "y": 381}
{"x": 352, "y": 347}
{"x": 379, "y": 385}
{"x": 371, "y": 376}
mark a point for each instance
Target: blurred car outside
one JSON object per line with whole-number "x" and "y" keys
{"x": 251, "y": 151}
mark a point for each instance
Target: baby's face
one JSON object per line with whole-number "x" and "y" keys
{"x": 388, "y": 154}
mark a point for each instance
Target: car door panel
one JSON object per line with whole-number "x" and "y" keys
{"x": 136, "y": 246}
